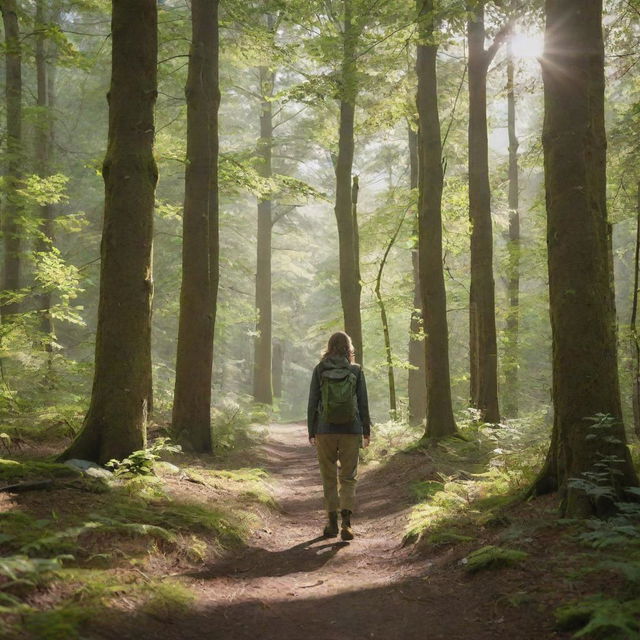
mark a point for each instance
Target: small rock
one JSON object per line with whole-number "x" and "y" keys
{"x": 167, "y": 467}
{"x": 89, "y": 468}
{"x": 103, "y": 474}
{"x": 82, "y": 465}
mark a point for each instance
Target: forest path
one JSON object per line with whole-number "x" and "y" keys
{"x": 290, "y": 583}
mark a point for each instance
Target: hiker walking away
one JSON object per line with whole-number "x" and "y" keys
{"x": 339, "y": 424}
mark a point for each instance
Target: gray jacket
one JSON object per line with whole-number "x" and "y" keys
{"x": 361, "y": 423}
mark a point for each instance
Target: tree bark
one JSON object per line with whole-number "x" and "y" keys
{"x": 417, "y": 383}
{"x": 440, "y": 421}
{"x": 191, "y": 419}
{"x": 583, "y": 321}
{"x": 350, "y": 287}
{"x": 44, "y": 146}
{"x": 277, "y": 368}
{"x": 115, "y": 423}
{"x": 482, "y": 319}
{"x": 511, "y": 365}
{"x": 262, "y": 382}
{"x": 393, "y": 405}
{"x": 633, "y": 328}
{"x": 11, "y": 228}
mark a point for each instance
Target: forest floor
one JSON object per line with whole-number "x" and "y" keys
{"x": 291, "y": 583}
{"x": 285, "y": 581}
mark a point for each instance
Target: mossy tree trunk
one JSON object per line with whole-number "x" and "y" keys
{"x": 482, "y": 317}
{"x": 350, "y": 287}
{"x": 583, "y": 321}
{"x": 116, "y": 421}
{"x": 11, "y": 228}
{"x": 262, "y": 381}
{"x": 510, "y": 365}
{"x": 417, "y": 383}
{"x": 633, "y": 327}
{"x": 440, "y": 421}
{"x": 277, "y": 368}
{"x": 191, "y": 419}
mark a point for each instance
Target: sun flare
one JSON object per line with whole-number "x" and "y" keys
{"x": 525, "y": 45}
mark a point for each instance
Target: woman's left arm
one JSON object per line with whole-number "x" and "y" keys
{"x": 363, "y": 404}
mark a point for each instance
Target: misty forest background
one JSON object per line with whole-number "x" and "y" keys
{"x": 291, "y": 66}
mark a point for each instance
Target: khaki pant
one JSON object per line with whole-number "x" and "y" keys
{"x": 339, "y": 483}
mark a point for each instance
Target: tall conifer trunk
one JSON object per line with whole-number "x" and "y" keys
{"x": 11, "y": 227}
{"x": 440, "y": 421}
{"x": 417, "y": 383}
{"x": 510, "y": 366}
{"x": 277, "y": 368}
{"x": 633, "y": 327}
{"x": 115, "y": 423}
{"x": 583, "y": 320}
{"x": 350, "y": 287}
{"x": 482, "y": 318}
{"x": 44, "y": 145}
{"x": 262, "y": 381}
{"x": 191, "y": 420}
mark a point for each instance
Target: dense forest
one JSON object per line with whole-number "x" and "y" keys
{"x": 194, "y": 194}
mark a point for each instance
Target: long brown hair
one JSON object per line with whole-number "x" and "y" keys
{"x": 340, "y": 345}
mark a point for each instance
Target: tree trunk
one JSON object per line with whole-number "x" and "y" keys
{"x": 262, "y": 383}
{"x": 277, "y": 368}
{"x": 350, "y": 287}
{"x": 191, "y": 419}
{"x": 11, "y": 227}
{"x": 417, "y": 383}
{"x": 115, "y": 423}
{"x": 633, "y": 329}
{"x": 583, "y": 321}
{"x": 393, "y": 405}
{"x": 482, "y": 319}
{"x": 440, "y": 421}
{"x": 510, "y": 366}
{"x": 44, "y": 145}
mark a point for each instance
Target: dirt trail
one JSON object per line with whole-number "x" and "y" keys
{"x": 290, "y": 583}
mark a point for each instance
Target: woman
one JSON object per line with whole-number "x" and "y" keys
{"x": 338, "y": 422}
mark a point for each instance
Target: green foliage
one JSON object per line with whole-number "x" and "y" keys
{"x": 601, "y": 616}
{"x": 230, "y": 425}
{"x": 489, "y": 468}
{"x": 169, "y": 517}
{"x": 15, "y": 470}
{"x": 140, "y": 463}
{"x": 389, "y": 438}
{"x": 445, "y": 537}
{"x": 42, "y": 191}
{"x": 61, "y": 623}
{"x": 166, "y": 600}
{"x": 425, "y": 489}
{"x": 21, "y": 571}
{"x": 491, "y": 557}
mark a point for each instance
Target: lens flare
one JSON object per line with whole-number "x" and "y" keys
{"x": 525, "y": 45}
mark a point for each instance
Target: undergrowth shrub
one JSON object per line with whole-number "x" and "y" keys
{"x": 230, "y": 426}
{"x": 491, "y": 557}
{"x": 17, "y": 470}
{"x": 487, "y": 468}
{"x": 389, "y": 438}
{"x": 141, "y": 462}
{"x": 617, "y": 541}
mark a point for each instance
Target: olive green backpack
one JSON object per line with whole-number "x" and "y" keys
{"x": 338, "y": 393}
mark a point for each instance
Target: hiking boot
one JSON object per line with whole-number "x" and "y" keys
{"x": 346, "y": 533}
{"x": 331, "y": 530}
